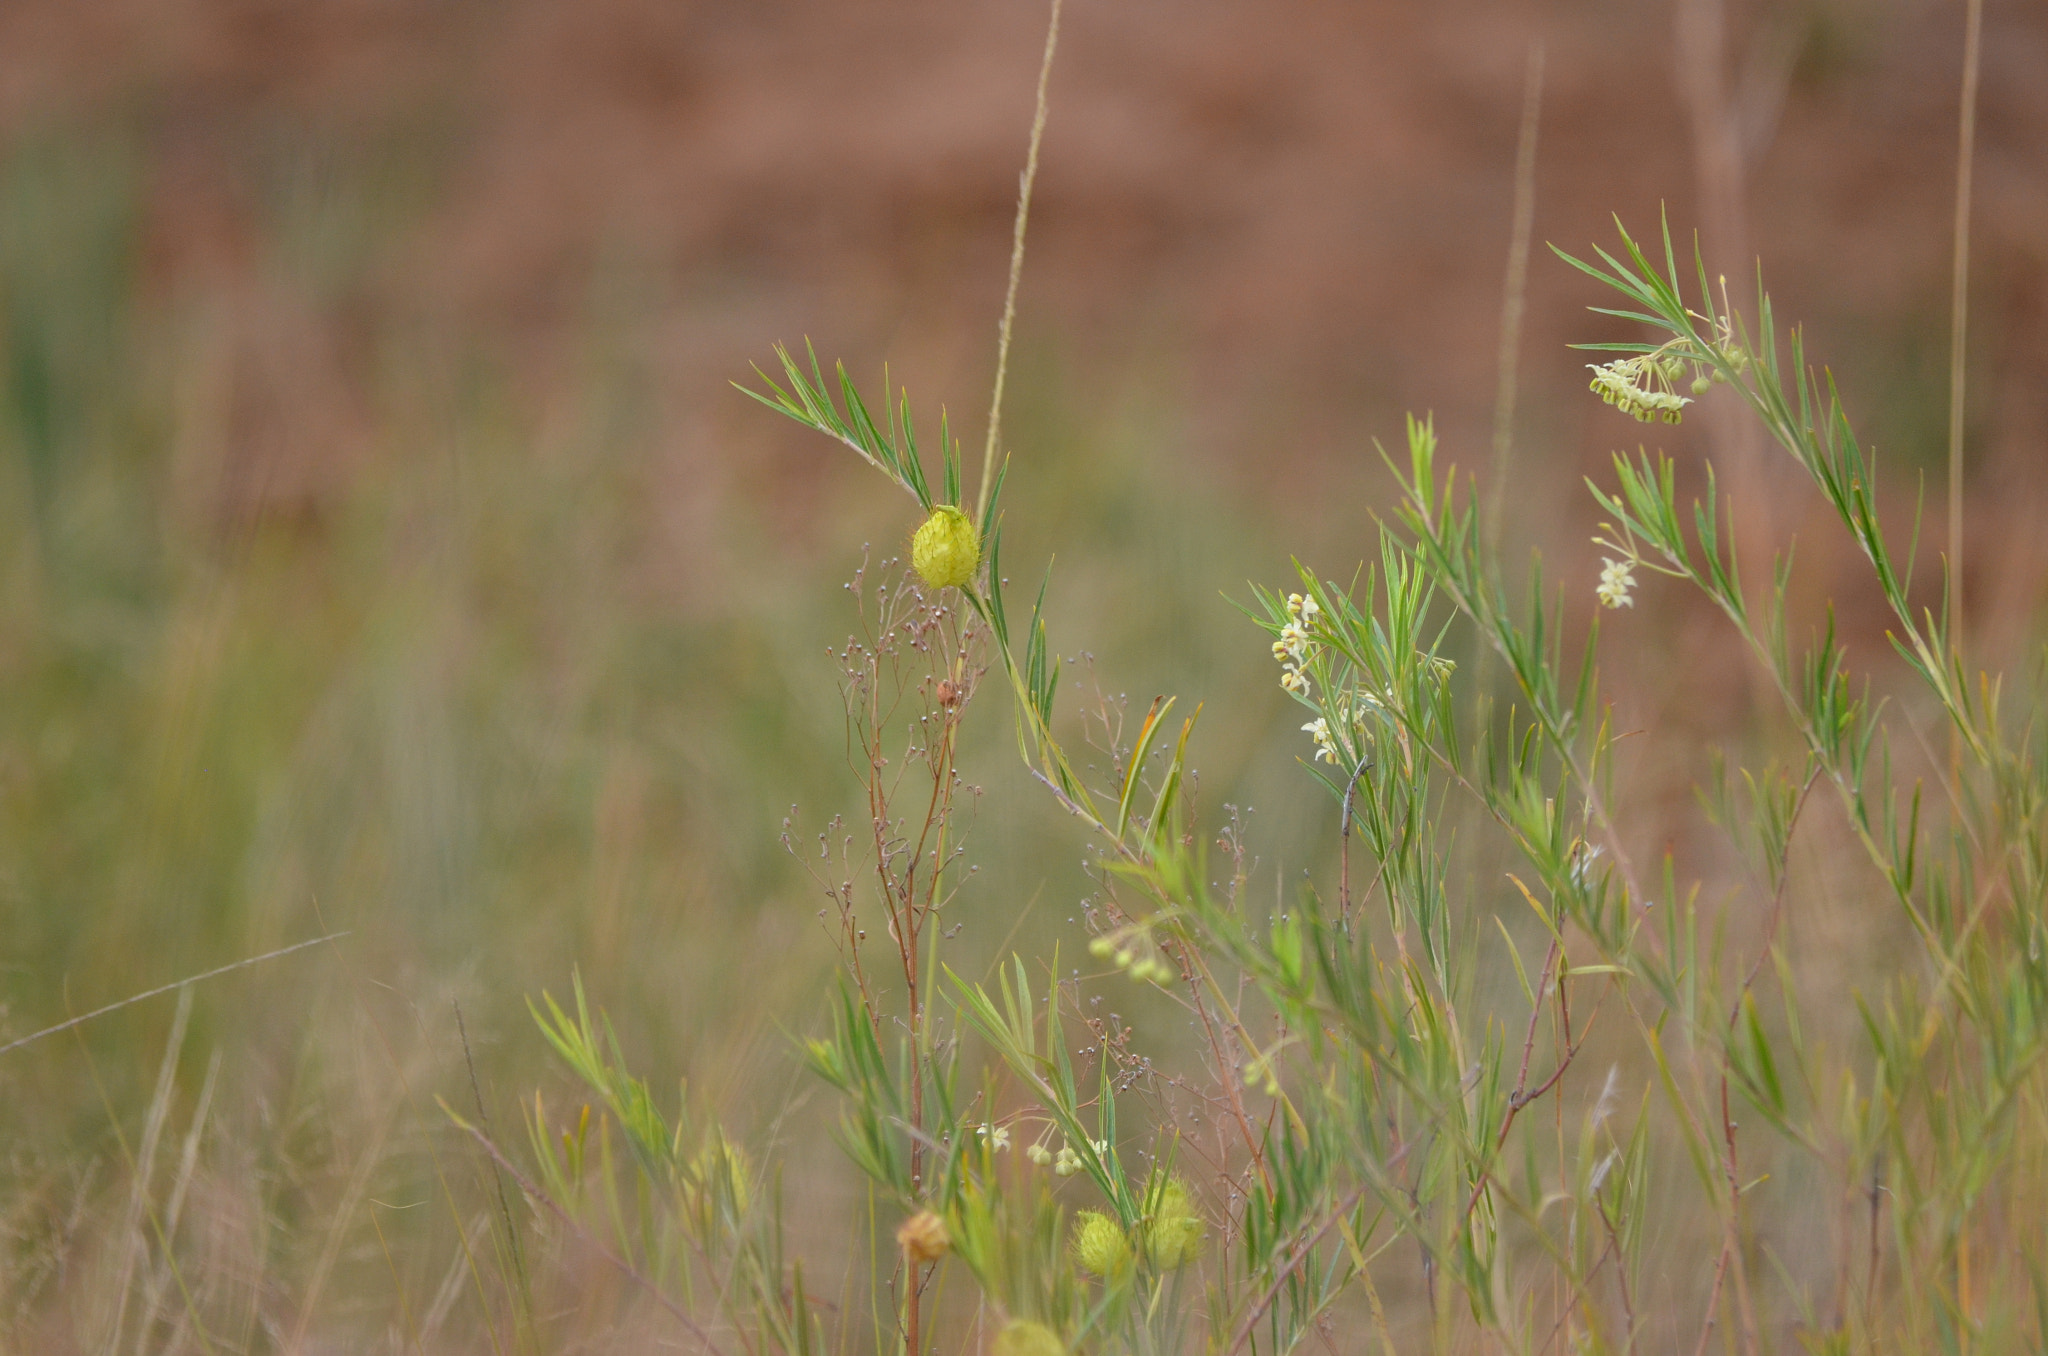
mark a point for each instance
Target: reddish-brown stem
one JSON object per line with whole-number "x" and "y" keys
{"x": 1522, "y": 1096}
{"x": 1731, "y": 1236}
{"x": 1225, "y": 1068}
{"x": 1565, "y": 1311}
{"x": 1344, "y": 843}
{"x": 1628, "y": 1304}
{"x": 1293, "y": 1264}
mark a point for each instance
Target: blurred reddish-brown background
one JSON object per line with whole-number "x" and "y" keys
{"x": 1293, "y": 215}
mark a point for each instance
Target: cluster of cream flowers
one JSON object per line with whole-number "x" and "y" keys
{"x": 1641, "y": 386}
{"x": 1356, "y": 709}
{"x": 1294, "y": 647}
{"x": 1617, "y": 577}
{"x": 1326, "y": 748}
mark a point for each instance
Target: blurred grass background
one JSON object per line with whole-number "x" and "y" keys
{"x": 385, "y": 549}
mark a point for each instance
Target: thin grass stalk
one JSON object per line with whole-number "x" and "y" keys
{"x": 1024, "y": 186}
{"x": 162, "y": 989}
{"x": 1959, "y": 312}
{"x": 1515, "y": 290}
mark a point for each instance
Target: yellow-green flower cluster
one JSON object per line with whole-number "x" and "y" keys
{"x": 1066, "y": 1162}
{"x": 1147, "y": 966}
{"x": 946, "y": 550}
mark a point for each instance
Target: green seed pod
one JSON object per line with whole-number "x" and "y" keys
{"x": 946, "y": 549}
{"x": 1174, "y": 1236}
{"x": 1100, "y": 1248}
{"x": 1025, "y": 1338}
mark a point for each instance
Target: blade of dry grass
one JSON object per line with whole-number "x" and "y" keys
{"x": 166, "y": 988}
{"x": 1515, "y": 290}
{"x": 135, "y": 1247}
{"x": 1024, "y": 186}
{"x": 1959, "y": 311}
{"x": 188, "y": 1162}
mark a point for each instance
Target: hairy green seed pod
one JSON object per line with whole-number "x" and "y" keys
{"x": 1025, "y": 1338}
{"x": 946, "y": 549}
{"x": 1174, "y": 1236}
{"x": 1100, "y": 1248}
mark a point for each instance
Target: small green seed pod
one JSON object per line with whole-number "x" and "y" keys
{"x": 1100, "y": 1247}
{"x": 1025, "y": 1338}
{"x": 946, "y": 549}
{"x": 1174, "y": 1236}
